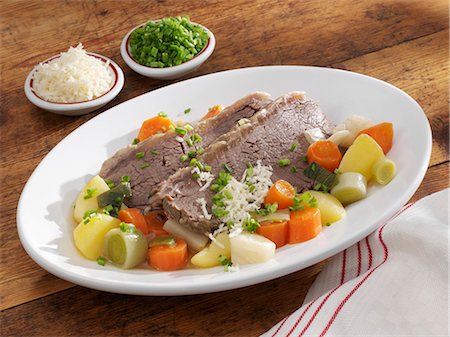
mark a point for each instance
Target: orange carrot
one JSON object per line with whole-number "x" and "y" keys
{"x": 135, "y": 217}
{"x": 153, "y": 126}
{"x": 281, "y": 192}
{"x": 155, "y": 222}
{"x": 304, "y": 225}
{"x": 324, "y": 153}
{"x": 214, "y": 111}
{"x": 382, "y": 133}
{"x": 168, "y": 258}
{"x": 277, "y": 232}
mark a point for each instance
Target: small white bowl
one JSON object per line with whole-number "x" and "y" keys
{"x": 168, "y": 73}
{"x": 77, "y": 108}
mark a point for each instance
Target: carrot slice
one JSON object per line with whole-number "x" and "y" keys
{"x": 281, "y": 192}
{"x": 214, "y": 111}
{"x": 168, "y": 258}
{"x": 155, "y": 222}
{"x": 277, "y": 232}
{"x": 135, "y": 217}
{"x": 304, "y": 225}
{"x": 153, "y": 126}
{"x": 324, "y": 153}
{"x": 382, "y": 133}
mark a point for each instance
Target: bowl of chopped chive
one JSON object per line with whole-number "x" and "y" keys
{"x": 168, "y": 48}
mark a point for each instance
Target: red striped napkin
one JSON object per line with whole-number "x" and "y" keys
{"x": 392, "y": 283}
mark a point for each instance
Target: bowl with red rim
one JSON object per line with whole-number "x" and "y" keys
{"x": 167, "y": 73}
{"x": 77, "y": 108}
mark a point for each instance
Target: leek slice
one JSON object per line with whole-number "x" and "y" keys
{"x": 125, "y": 248}
{"x": 195, "y": 241}
{"x": 352, "y": 187}
{"x": 384, "y": 170}
{"x": 278, "y": 216}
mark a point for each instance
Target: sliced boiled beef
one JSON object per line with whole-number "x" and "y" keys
{"x": 162, "y": 152}
{"x": 267, "y": 137}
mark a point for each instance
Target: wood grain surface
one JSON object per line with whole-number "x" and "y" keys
{"x": 402, "y": 42}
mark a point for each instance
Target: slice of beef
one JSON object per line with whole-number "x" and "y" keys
{"x": 162, "y": 152}
{"x": 267, "y": 137}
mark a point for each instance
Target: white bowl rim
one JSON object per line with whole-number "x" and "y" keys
{"x": 69, "y": 106}
{"x": 198, "y": 59}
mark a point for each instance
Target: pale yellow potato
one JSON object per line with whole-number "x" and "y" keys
{"x": 82, "y": 205}
{"x": 89, "y": 236}
{"x": 209, "y": 256}
{"x": 331, "y": 209}
{"x": 361, "y": 156}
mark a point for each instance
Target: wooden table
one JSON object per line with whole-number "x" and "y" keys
{"x": 402, "y": 42}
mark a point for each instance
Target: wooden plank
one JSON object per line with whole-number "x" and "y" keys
{"x": 241, "y": 312}
{"x": 420, "y": 68}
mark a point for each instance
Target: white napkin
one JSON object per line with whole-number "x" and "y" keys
{"x": 392, "y": 283}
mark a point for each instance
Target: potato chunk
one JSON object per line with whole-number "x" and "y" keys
{"x": 89, "y": 236}
{"x": 209, "y": 257}
{"x": 361, "y": 156}
{"x": 87, "y": 199}
{"x": 331, "y": 209}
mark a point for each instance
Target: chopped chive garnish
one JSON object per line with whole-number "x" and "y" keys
{"x": 193, "y": 162}
{"x": 189, "y": 142}
{"x": 305, "y": 158}
{"x": 154, "y": 152}
{"x": 228, "y": 194}
{"x": 140, "y": 155}
{"x": 186, "y": 111}
{"x": 284, "y": 162}
{"x": 336, "y": 171}
{"x": 195, "y": 175}
{"x": 227, "y": 168}
{"x": 200, "y": 150}
{"x": 123, "y": 227}
{"x": 249, "y": 171}
{"x": 171, "y": 127}
{"x": 180, "y": 131}
{"x": 328, "y": 224}
{"x": 251, "y": 225}
{"x": 207, "y": 168}
{"x": 89, "y": 193}
{"x": 293, "y": 147}
{"x": 89, "y": 213}
{"x": 162, "y": 114}
{"x": 110, "y": 183}
{"x": 225, "y": 262}
{"x": 125, "y": 179}
{"x": 293, "y": 169}
{"x": 192, "y": 154}
{"x": 184, "y": 158}
{"x": 144, "y": 166}
{"x": 101, "y": 261}
{"x": 188, "y": 127}
{"x": 135, "y": 141}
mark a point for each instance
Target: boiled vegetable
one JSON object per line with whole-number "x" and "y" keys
{"x": 135, "y": 217}
{"x": 331, "y": 210}
{"x": 361, "y": 156}
{"x": 322, "y": 178}
{"x": 382, "y": 133}
{"x": 209, "y": 256}
{"x": 280, "y": 215}
{"x": 87, "y": 198}
{"x": 89, "y": 234}
{"x": 247, "y": 248}
{"x": 324, "y": 153}
{"x": 276, "y": 231}
{"x": 152, "y": 126}
{"x": 125, "y": 246}
{"x": 195, "y": 241}
{"x": 167, "y": 258}
{"x": 115, "y": 196}
{"x": 384, "y": 170}
{"x": 212, "y": 112}
{"x": 281, "y": 193}
{"x": 155, "y": 222}
{"x": 304, "y": 225}
{"x": 342, "y": 138}
{"x": 352, "y": 187}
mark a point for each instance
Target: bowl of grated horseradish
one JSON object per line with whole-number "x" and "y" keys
{"x": 74, "y": 83}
